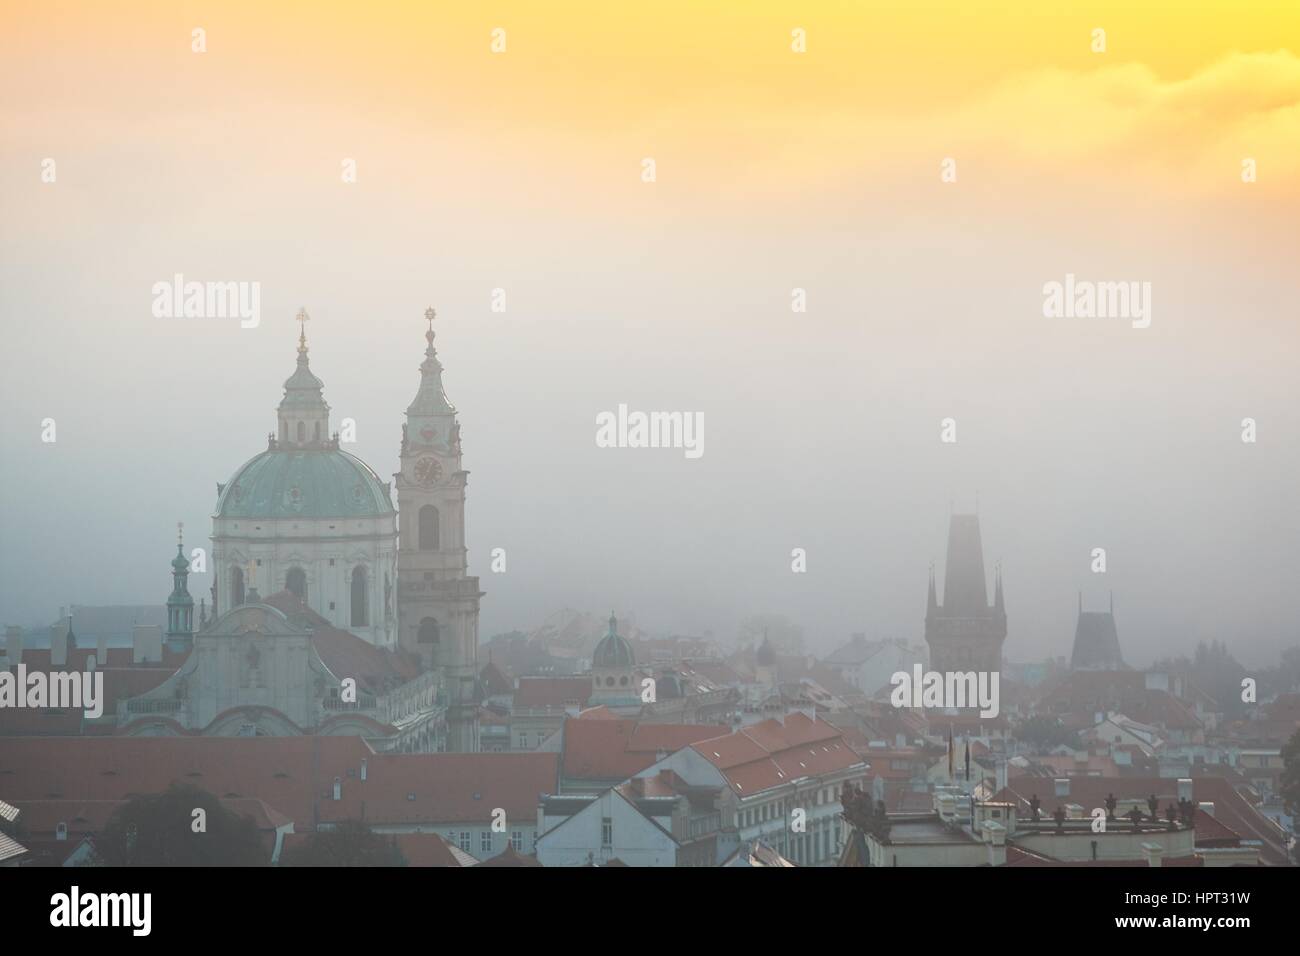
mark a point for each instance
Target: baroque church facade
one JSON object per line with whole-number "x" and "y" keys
{"x": 307, "y": 518}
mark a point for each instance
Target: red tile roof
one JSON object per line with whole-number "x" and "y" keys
{"x": 375, "y": 669}
{"x": 449, "y": 788}
{"x": 511, "y": 857}
{"x": 552, "y": 692}
{"x": 775, "y": 753}
{"x": 292, "y": 774}
{"x": 620, "y": 748}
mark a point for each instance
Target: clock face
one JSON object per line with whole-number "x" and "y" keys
{"x": 427, "y": 471}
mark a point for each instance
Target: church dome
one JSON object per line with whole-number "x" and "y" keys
{"x": 304, "y": 483}
{"x": 613, "y": 650}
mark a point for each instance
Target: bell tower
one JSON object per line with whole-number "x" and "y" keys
{"x": 437, "y": 602}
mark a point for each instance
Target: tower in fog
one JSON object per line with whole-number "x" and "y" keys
{"x": 1096, "y": 641}
{"x": 965, "y": 632}
{"x": 438, "y": 603}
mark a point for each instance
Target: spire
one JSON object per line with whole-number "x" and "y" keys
{"x": 998, "y": 607}
{"x": 303, "y": 412}
{"x": 964, "y": 584}
{"x": 180, "y": 606}
{"x": 430, "y": 400}
{"x": 613, "y": 621}
{"x": 932, "y": 600}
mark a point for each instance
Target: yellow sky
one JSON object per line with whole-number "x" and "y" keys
{"x": 1183, "y": 92}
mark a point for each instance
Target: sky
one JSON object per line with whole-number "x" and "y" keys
{"x": 829, "y": 171}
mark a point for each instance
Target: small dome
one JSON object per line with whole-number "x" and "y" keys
{"x": 613, "y": 650}
{"x": 304, "y": 483}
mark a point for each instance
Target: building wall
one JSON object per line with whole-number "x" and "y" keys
{"x": 311, "y": 544}
{"x": 635, "y": 841}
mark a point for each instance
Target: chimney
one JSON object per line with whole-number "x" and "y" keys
{"x": 1152, "y": 852}
{"x": 338, "y": 788}
{"x": 14, "y": 644}
{"x": 995, "y": 835}
{"x": 101, "y": 650}
{"x": 59, "y": 645}
{"x": 1184, "y": 788}
{"x": 1062, "y": 786}
{"x": 146, "y": 642}
{"x": 363, "y": 768}
{"x": 900, "y": 741}
{"x": 1002, "y": 774}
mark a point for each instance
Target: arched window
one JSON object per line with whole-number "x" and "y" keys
{"x": 429, "y": 632}
{"x": 295, "y": 582}
{"x": 428, "y": 528}
{"x": 359, "y": 616}
{"x": 302, "y": 432}
{"x": 236, "y": 586}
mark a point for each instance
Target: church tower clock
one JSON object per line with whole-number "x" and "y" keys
{"x": 437, "y": 602}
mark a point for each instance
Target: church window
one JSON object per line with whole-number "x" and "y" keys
{"x": 429, "y": 633}
{"x": 609, "y": 682}
{"x": 517, "y": 840}
{"x": 236, "y": 586}
{"x": 485, "y": 841}
{"x": 428, "y": 528}
{"x": 607, "y": 831}
{"x": 622, "y": 682}
{"x": 359, "y": 616}
{"x": 295, "y": 582}
{"x": 464, "y": 840}
{"x": 302, "y": 431}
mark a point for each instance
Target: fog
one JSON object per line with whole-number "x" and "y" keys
{"x": 822, "y": 428}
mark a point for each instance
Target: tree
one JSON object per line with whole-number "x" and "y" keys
{"x": 164, "y": 829}
{"x": 351, "y": 843}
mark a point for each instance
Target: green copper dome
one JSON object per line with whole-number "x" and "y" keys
{"x": 304, "y": 483}
{"x": 613, "y": 649}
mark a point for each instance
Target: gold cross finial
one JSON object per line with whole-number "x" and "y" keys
{"x": 180, "y": 532}
{"x": 430, "y": 315}
{"x": 302, "y": 318}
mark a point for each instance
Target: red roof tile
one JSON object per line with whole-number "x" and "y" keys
{"x": 621, "y": 748}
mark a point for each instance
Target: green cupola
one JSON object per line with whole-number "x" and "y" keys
{"x": 180, "y": 606}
